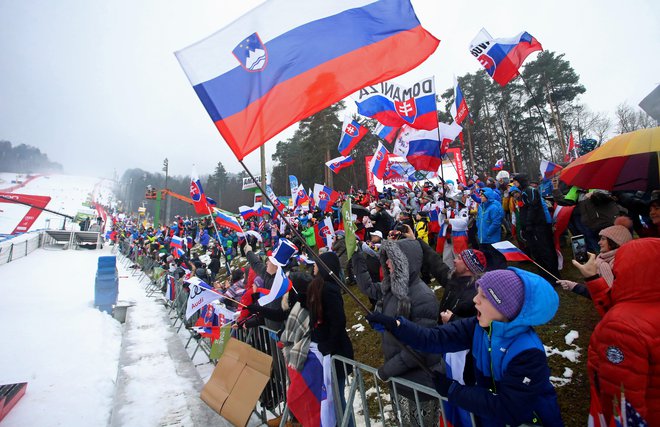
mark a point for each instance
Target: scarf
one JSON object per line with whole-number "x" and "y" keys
{"x": 296, "y": 337}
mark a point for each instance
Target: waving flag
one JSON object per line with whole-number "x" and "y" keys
{"x": 201, "y": 294}
{"x": 549, "y": 169}
{"x": 224, "y": 220}
{"x": 325, "y": 197}
{"x": 170, "y": 292}
{"x": 393, "y": 105}
{"x": 197, "y": 194}
{"x": 288, "y": 59}
{"x": 339, "y": 163}
{"x": 248, "y": 212}
{"x": 420, "y": 147}
{"x": 301, "y": 196}
{"x": 351, "y": 133}
{"x": 571, "y": 150}
{"x": 459, "y": 110}
{"x": 448, "y": 133}
{"x": 499, "y": 165}
{"x": 387, "y": 133}
{"x": 378, "y": 162}
{"x": 281, "y": 285}
{"x": 503, "y": 57}
{"x": 560, "y": 218}
{"x": 273, "y": 198}
{"x": 323, "y": 232}
{"x": 510, "y": 252}
{"x": 176, "y": 242}
{"x": 309, "y": 395}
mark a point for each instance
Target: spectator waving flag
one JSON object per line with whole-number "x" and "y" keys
{"x": 504, "y": 56}
{"x": 288, "y": 59}
{"x": 351, "y": 133}
{"x": 379, "y": 161}
{"x": 339, "y": 163}
{"x": 281, "y": 285}
{"x": 549, "y": 169}
{"x": 510, "y": 252}
{"x": 325, "y": 197}
{"x": 197, "y": 195}
{"x": 459, "y": 110}
{"x": 393, "y": 105}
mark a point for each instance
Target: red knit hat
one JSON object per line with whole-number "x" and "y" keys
{"x": 474, "y": 260}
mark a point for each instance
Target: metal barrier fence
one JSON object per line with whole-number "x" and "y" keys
{"x": 13, "y": 251}
{"x": 365, "y": 399}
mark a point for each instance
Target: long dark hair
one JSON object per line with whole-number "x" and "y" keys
{"x": 315, "y": 300}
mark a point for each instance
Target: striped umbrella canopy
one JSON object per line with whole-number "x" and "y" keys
{"x": 626, "y": 162}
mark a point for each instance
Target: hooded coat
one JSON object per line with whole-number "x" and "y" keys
{"x": 489, "y": 218}
{"x": 509, "y": 358}
{"x": 404, "y": 294}
{"x": 625, "y": 346}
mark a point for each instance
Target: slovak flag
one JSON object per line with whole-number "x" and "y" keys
{"x": 549, "y": 169}
{"x": 197, "y": 194}
{"x": 499, "y": 165}
{"x": 387, "y": 133}
{"x": 248, "y": 212}
{"x": 281, "y": 285}
{"x": 176, "y": 242}
{"x": 323, "y": 232}
{"x": 379, "y": 161}
{"x": 393, "y": 105}
{"x": 504, "y": 56}
{"x": 325, "y": 197}
{"x": 351, "y": 133}
{"x": 448, "y": 134}
{"x": 224, "y": 220}
{"x": 510, "y": 252}
{"x": 288, "y": 59}
{"x": 301, "y": 196}
{"x": 339, "y": 163}
{"x": 459, "y": 109}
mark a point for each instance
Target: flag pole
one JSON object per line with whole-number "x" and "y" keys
{"x": 555, "y": 277}
{"x": 338, "y": 281}
{"x": 442, "y": 171}
{"x": 217, "y": 235}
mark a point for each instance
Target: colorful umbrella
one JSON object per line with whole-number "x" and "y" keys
{"x": 626, "y": 162}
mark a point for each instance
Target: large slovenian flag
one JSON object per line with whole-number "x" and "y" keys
{"x": 393, "y": 105}
{"x": 504, "y": 56}
{"x": 352, "y": 132}
{"x": 549, "y": 169}
{"x": 325, "y": 197}
{"x": 379, "y": 161}
{"x": 281, "y": 285}
{"x": 288, "y": 59}
{"x": 510, "y": 252}
{"x": 459, "y": 109}
{"x": 197, "y": 194}
{"x": 387, "y": 133}
{"x": 224, "y": 220}
{"x": 339, "y": 163}
{"x": 420, "y": 147}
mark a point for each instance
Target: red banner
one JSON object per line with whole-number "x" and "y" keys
{"x": 458, "y": 160}
{"x": 33, "y": 213}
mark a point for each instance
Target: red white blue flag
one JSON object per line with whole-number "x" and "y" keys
{"x": 387, "y": 133}
{"x": 170, "y": 293}
{"x": 248, "y": 212}
{"x": 448, "y": 134}
{"x": 288, "y": 59}
{"x": 177, "y": 242}
{"x": 504, "y": 56}
{"x": 459, "y": 109}
{"x": 197, "y": 195}
{"x": 393, "y": 105}
{"x": 325, "y": 197}
{"x": 281, "y": 285}
{"x": 510, "y": 252}
{"x": 227, "y": 221}
{"x": 301, "y": 196}
{"x": 352, "y": 132}
{"x": 324, "y": 232}
{"x": 549, "y": 169}
{"x": 339, "y": 163}
{"x": 499, "y": 165}
{"x": 421, "y": 148}
{"x": 379, "y": 161}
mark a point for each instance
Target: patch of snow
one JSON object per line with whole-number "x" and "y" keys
{"x": 571, "y": 336}
{"x": 559, "y": 382}
{"x": 359, "y": 327}
{"x": 568, "y": 373}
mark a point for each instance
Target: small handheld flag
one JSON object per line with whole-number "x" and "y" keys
{"x": 352, "y": 132}
{"x": 379, "y": 161}
{"x": 499, "y": 165}
{"x": 339, "y": 163}
{"x": 511, "y": 252}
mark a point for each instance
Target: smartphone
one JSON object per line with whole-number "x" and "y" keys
{"x": 579, "y": 245}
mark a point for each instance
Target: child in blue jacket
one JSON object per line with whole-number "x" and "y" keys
{"x": 512, "y": 374}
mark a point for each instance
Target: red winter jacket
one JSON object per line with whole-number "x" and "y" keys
{"x": 625, "y": 346}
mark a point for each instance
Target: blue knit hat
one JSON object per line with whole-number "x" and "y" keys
{"x": 505, "y": 290}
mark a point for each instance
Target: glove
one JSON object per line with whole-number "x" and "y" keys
{"x": 380, "y": 373}
{"x": 442, "y": 384}
{"x": 254, "y": 308}
{"x": 378, "y": 321}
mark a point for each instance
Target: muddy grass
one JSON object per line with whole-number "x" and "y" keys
{"x": 575, "y": 313}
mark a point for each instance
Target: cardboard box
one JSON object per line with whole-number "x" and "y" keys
{"x": 237, "y": 381}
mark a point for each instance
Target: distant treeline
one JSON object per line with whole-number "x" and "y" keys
{"x": 25, "y": 159}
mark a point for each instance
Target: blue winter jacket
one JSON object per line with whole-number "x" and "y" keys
{"x": 489, "y": 218}
{"x": 204, "y": 238}
{"x": 511, "y": 370}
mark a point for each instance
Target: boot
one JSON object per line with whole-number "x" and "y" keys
{"x": 275, "y": 422}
